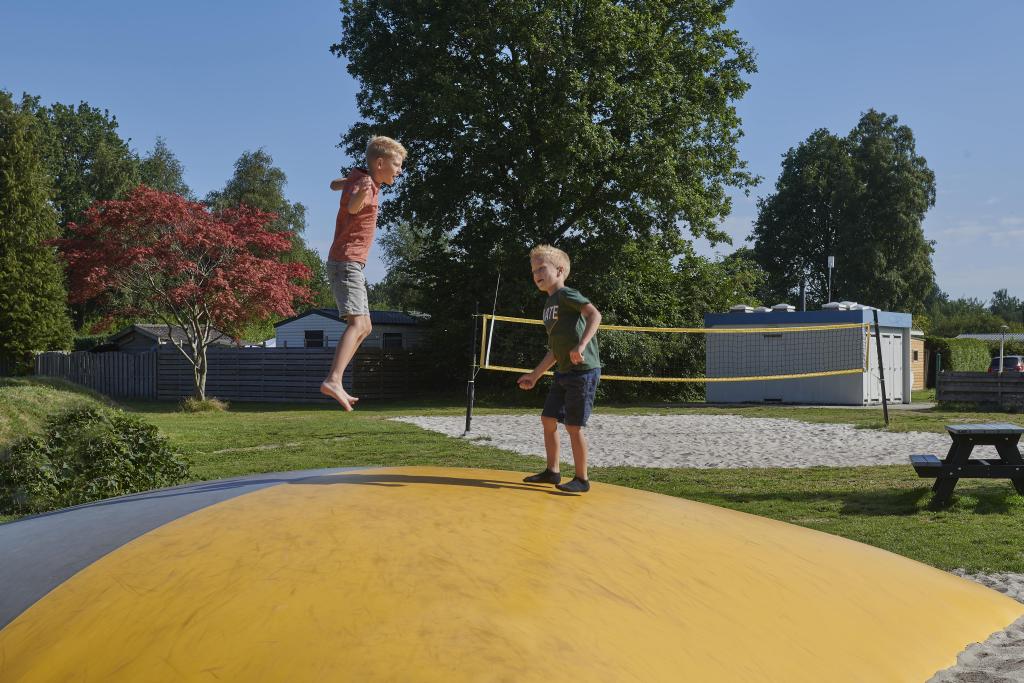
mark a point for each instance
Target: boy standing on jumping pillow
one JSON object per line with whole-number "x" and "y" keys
{"x": 571, "y": 321}
{"x": 353, "y": 236}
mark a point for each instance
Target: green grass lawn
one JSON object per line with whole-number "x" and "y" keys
{"x": 883, "y": 506}
{"x": 886, "y": 506}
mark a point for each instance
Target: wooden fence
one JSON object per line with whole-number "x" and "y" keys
{"x": 7, "y": 367}
{"x": 288, "y": 374}
{"x": 1006, "y": 390}
{"x": 116, "y": 374}
{"x": 256, "y": 374}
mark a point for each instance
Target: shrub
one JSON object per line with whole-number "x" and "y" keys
{"x": 1011, "y": 347}
{"x": 195, "y": 405}
{"x": 961, "y": 355}
{"x": 86, "y": 454}
{"x": 87, "y": 342}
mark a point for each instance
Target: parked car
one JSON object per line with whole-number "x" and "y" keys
{"x": 1010, "y": 364}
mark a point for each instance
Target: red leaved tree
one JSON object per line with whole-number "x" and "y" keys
{"x": 160, "y": 256}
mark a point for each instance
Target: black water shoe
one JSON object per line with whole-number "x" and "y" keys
{"x": 545, "y": 477}
{"x": 577, "y": 485}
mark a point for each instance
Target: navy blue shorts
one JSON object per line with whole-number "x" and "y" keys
{"x": 571, "y": 397}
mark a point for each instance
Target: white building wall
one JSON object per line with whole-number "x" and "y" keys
{"x": 293, "y": 334}
{"x": 788, "y": 353}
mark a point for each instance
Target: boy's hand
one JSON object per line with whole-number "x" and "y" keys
{"x": 576, "y": 355}
{"x": 526, "y": 382}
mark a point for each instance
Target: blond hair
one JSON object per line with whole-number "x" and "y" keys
{"x": 380, "y": 146}
{"x": 553, "y": 255}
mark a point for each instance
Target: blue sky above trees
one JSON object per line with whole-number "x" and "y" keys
{"x": 217, "y": 79}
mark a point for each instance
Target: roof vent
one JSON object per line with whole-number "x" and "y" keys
{"x": 762, "y": 309}
{"x": 785, "y": 308}
{"x": 741, "y": 308}
{"x": 835, "y": 306}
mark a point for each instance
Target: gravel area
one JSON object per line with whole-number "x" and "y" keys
{"x": 734, "y": 441}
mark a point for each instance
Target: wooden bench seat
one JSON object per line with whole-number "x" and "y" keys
{"x": 926, "y": 465}
{"x": 958, "y": 463}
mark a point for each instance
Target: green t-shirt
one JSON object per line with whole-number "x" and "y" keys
{"x": 565, "y": 328}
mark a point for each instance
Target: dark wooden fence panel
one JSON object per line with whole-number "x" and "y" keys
{"x": 1006, "y": 390}
{"x": 8, "y": 367}
{"x": 116, "y": 374}
{"x": 287, "y": 374}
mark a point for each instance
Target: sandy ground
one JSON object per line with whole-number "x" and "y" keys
{"x": 1000, "y": 659}
{"x": 702, "y": 440}
{"x": 734, "y": 441}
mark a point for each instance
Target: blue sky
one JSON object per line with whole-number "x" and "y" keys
{"x": 219, "y": 78}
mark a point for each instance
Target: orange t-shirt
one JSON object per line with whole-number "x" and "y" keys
{"x": 353, "y": 232}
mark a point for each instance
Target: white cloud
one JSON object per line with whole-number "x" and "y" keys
{"x": 995, "y": 231}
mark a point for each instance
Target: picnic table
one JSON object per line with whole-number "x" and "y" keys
{"x": 959, "y": 465}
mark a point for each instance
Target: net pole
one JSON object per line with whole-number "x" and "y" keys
{"x": 881, "y": 366}
{"x": 471, "y": 384}
{"x": 494, "y": 310}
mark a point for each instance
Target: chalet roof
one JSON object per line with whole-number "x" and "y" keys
{"x": 158, "y": 333}
{"x": 992, "y": 336}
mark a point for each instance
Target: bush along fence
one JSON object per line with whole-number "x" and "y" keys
{"x": 250, "y": 374}
{"x": 1006, "y": 390}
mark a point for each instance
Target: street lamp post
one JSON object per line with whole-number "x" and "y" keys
{"x": 1002, "y": 343}
{"x": 831, "y": 265}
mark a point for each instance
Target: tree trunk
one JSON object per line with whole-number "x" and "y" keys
{"x": 199, "y": 369}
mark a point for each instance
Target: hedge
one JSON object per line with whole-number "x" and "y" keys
{"x": 961, "y": 355}
{"x": 1012, "y": 347}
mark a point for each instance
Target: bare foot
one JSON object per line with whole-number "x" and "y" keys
{"x": 336, "y": 392}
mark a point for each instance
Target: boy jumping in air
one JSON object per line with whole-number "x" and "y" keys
{"x": 571, "y": 322}
{"x": 353, "y": 236}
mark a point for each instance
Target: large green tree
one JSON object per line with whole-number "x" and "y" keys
{"x": 161, "y": 170}
{"x": 259, "y": 184}
{"x": 596, "y": 125}
{"x": 861, "y": 198}
{"x": 33, "y": 300}
{"x": 89, "y": 161}
{"x": 400, "y": 246}
{"x": 966, "y": 315}
{"x": 1007, "y": 307}
{"x": 86, "y": 156}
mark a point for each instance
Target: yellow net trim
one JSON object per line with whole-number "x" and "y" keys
{"x": 630, "y": 378}
{"x": 692, "y": 330}
{"x": 485, "y": 365}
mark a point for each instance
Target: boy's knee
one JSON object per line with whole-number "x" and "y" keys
{"x": 573, "y": 429}
{"x": 360, "y": 324}
{"x": 550, "y": 424}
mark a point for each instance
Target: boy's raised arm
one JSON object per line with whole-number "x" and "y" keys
{"x": 593, "y": 318}
{"x": 338, "y": 184}
{"x": 355, "y": 204}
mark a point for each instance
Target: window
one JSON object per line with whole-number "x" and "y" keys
{"x": 314, "y": 339}
{"x": 915, "y": 355}
{"x": 392, "y": 341}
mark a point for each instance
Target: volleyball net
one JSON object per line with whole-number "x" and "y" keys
{"x": 685, "y": 354}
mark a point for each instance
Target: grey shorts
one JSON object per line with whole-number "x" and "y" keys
{"x": 348, "y": 284}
